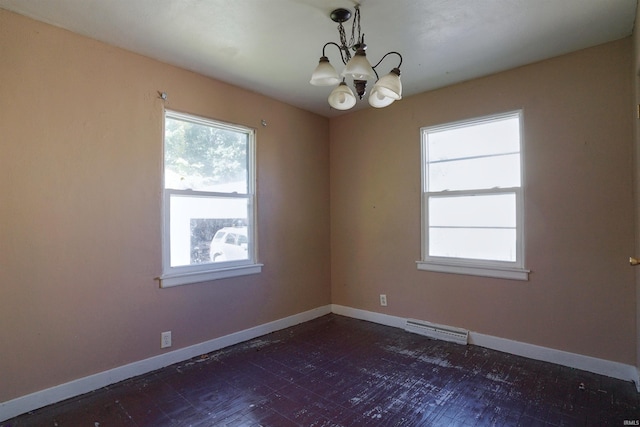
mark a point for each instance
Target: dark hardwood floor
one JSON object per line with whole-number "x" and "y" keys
{"x": 337, "y": 371}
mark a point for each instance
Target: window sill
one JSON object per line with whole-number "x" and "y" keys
{"x": 495, "y": 272}
{"x": 177, "y": 279}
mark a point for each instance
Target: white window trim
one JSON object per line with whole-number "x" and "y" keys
{"x": 177, "y": 279}
{"x": 484, "y": 271}
{"x": 188, "y": 274}
{"x": 496, "y": 269}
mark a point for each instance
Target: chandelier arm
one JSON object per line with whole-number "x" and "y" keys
{"x": 327, "y": 44}
{"x": 385, "y": 55}
{"x": 341, "y": 49}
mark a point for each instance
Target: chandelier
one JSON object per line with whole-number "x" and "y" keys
{"x": 385, "y": 90}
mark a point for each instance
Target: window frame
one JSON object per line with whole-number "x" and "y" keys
{"x": 470, "y": 266}
{"x": 195, "y": 273}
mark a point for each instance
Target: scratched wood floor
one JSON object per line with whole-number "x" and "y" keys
{"x": 337, "y": 371}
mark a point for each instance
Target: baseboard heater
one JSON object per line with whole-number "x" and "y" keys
{"x": 440, "y": 332}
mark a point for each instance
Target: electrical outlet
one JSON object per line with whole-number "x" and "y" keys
{"x": 165, "y": 339}
{"x": 383, "y": 300}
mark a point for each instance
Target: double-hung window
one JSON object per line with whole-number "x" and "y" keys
{"x": 472, "y": 201}
{"x": 209, "y": 200}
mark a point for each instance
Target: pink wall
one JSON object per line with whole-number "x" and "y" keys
{"x": 80, "y": 165}
{"x": 579, "y": 207}
{"x": 80, "y": 178}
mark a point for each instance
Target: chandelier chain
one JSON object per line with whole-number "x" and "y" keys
{"x": 356, "y": 25}
{"x": 344, "y": 47}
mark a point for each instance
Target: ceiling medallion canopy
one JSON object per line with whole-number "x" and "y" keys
{"x": 386, "y": 89}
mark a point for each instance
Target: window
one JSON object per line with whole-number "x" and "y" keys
{"x": 472, "y": 202}
{"x": 209, "y": 201}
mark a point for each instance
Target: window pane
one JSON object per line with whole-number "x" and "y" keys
{"x": 490, "y": 137}
{"x": 473, "y": 243}
{"x": 200, "y": 224}
{"x": 472, "y": 178}
{"x": 479, "y": 173}
{"x": 496, "y": 210}
{"x": 205, "y": 158}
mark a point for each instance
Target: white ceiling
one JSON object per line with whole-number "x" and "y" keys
{"x": 272, "y": 46}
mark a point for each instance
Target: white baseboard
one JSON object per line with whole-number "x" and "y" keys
{"x": 559, "y": 357}
{"x": 356, "y": 313}
{"x": 39, "y": 399}
{"x": 573, "y": 360}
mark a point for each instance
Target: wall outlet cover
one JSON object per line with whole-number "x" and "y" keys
{"x": 165, "y": 339}
{"x": 383, "y": 300}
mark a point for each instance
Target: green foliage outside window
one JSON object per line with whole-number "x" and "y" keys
{"x": 205, "y": 156}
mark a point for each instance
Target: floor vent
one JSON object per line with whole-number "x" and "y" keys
{"x": 431, "y": 330}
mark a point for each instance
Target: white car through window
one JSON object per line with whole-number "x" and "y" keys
{"x": 229, "y": 243}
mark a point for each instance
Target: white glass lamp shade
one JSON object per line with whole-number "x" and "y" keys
{"x": 386, "y": 90}
{"x": 342, "y": 97}
{"x": 324, "y": 74}
{"x": 359, "y": 68}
